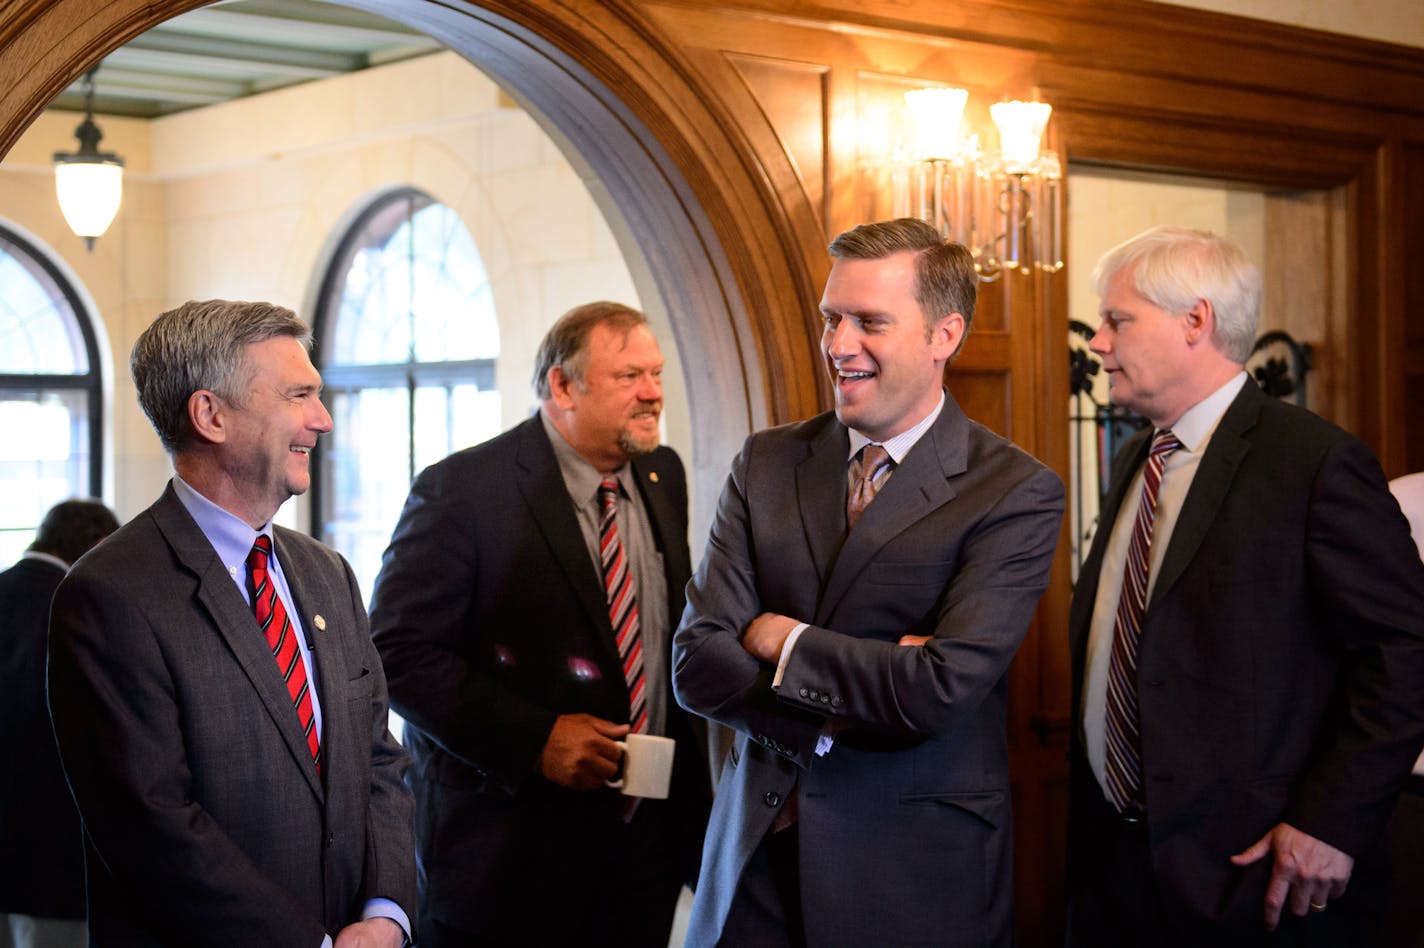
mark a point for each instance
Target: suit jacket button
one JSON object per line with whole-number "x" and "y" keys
{"x": 837, "y": 701}
{"x": 330, "y": 839}
{"x": 772, "y": 798}
{"x": 825, "y": 699}
{"x": 805, "y": 692}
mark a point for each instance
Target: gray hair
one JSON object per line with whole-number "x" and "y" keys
{"x": 202, "y": 345}
{"x": 1174, "y": 267}
{"x": 566, "y": 342}
{"x": 945, "y": 281}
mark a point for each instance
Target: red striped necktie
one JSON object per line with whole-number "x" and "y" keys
{"x": 622, "y": 596}
{"x": 1124, "y": 741}
{"x": 282, "y": 640}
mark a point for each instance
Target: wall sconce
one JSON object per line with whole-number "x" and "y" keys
{"x": 89, "y": 183}
{"x": 1005, "y": 206}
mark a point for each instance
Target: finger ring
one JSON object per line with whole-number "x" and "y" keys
{"x": 1317, "y": 906}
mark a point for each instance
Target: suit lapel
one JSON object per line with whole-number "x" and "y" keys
{"x": 1215, "y": 472}
{"x": 668, "y": 526}
{"x": 546, "y": 496}
{"x": 919, "y": 485}
{"x": 821, "y": 497}
{"x": 218, "y": 595}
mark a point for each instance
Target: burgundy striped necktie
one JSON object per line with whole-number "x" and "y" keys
{"x": 1124, "y": 741}
{"x": 282, "y": 640}
{"x": 622, "y": 604}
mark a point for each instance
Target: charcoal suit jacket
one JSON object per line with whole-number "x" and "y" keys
{"x": 1280, "y": 668}
{"x": 904, "y": 826}
{"x": 206, "y": 821}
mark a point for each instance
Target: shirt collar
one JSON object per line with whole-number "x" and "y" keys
{"x": 900, "y": 445}
{"x": 581, "y": 478}
{"x": 1197, "y": 423}
{"x": 45, "y": 558}
{"x": 230, "y": 536}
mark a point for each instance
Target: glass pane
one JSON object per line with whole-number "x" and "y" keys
{"x": 414, "y": 289}
{"x": 454, "y": 312}
{"x": 44, "y": 458}
{"x": 412, "y": 295}
{"x": 365, "y": 464}
{"x": 449, "y": 418}
{"x": 39, "y": 332}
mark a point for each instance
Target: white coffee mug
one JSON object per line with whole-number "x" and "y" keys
{"x": 647, "y": 766}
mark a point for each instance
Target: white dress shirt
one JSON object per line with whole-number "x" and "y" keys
{"x": 1194, "y": 430}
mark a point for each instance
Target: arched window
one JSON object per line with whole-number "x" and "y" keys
{"x": 407, "y": 343}
{"x": 50, "y": 394}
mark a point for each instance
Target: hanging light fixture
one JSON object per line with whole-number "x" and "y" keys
{"x": 1005, "y": 206}
{"x": 89, "y": 183}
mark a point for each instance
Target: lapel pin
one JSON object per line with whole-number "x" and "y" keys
{"x": 653, "y": 476}
{"x": 320, "y": 622}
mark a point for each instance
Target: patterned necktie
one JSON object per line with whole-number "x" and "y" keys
{"x": 1124, "y": 742}
{"x": 622, "y": 604}
{"x": 282, "y": 639}
{"x": 873, "y": 459}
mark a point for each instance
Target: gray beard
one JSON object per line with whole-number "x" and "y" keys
{"x": 633, "y": 447}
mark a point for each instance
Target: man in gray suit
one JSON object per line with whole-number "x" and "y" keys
{"x": 869, "y": 577}
{"x": 227, "y": 798}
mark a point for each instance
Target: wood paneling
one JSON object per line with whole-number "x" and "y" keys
{"x": 737, "y": 138}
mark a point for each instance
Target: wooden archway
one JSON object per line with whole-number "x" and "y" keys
{"x": 688, "y": 194}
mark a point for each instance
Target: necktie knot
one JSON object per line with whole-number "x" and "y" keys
{"x": 873, "y": 459}
{"x": 608, "y": 493}
{"x": 260, "y": 553}
{"x": 1164, "y": 443}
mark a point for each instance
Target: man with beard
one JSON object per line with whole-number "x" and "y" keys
{"x": 519, "y": 674}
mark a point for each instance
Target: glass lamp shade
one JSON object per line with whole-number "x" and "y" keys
{"x": 89, "y": 193}
{"x": 1021, "y": 126}
{"x": 937, "y": 114}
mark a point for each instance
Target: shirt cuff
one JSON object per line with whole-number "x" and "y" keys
{"x": 385, "y": 908}
{"x": 786, "y": 647}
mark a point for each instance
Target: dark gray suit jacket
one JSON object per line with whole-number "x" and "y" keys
{"x": 206, "y": 822}
{"x": 905, "y": 825}
{"x": 1281, "y": 666}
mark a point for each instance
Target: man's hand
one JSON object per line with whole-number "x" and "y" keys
{"x": 581, "y": 752}
{"x": 913, "y": 641}
{"x": 1308, "y": 871}
{"x": 766, "y": 635}
{"x": 372, "y": 933}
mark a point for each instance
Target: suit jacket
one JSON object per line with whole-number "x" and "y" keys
{"x": 1281, "y": 665}
{"x": 42, "y": 869}
{"x": 491, "y": 618}
{"x": 905, "y": 824}
{"x": 206, "y": 821}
